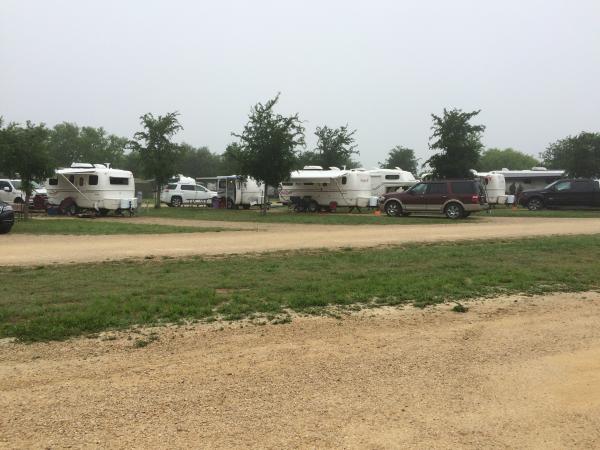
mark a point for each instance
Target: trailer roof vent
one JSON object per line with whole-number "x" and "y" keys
{"x": 539, "y": 169}
{"x": 82, "y": 166}
{"x": 313, "y": 168}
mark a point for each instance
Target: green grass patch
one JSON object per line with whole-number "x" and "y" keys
{"x": 56, "y": 302}
{"x": 283, "y": 215}
{"x": 524, "y": 212}
{"x": 78, "y": 226}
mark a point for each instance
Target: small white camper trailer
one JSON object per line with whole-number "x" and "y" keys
{"x": 389, "y": 180}
{"x": 314, "y": 188}
{"x": 237, "y": 191}
{"x": 92, "y": 186}
{"x": 494, "y": 184}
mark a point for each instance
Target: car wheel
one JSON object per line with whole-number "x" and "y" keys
{"x": 453, "y": 211}
{"x": 18, "y": 200}
{"x": 534, "y": 204}
{"x": 176, "y": 201}
{"x": 313, "y": 206}
{"x": 5, "y": 228}
{"x": 393, "y": 209}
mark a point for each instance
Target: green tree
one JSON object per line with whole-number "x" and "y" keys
{"x": 335, "y": 146}
{"x": 578, "y": 155}
{"x": 458, "y": 143}
{"x": 401, "y": 157}
{"x": 496, "y": 159}
{"x": 197, "y": 162}
{"x": 269, "y": 145}
{"x": 24, "y": 154}
{"x": 158, "y": 153}
{"x": 68, "y": 143}
{"x": 231, "y": 160}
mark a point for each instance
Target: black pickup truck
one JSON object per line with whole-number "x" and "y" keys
{"x": 574, "y": 193}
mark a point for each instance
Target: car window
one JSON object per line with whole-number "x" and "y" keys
{"x": 4, "y": 184}
{"x": 200, "y": 188}
{"x": 187, "y": 187}
{"x": 419, "y": 188}
{"x": 463, "y": 187}
{"x": 171, "y": 186}
{"x": 437, "y": 188}
{"x": 16, "y": 184}
{"x": 583, "y": 186}
{"x": 562, "y": 186}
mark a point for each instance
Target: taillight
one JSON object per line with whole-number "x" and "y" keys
{"x": 475, "y": 199}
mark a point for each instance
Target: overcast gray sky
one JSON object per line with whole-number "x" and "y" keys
{"x": 382, "y": 67}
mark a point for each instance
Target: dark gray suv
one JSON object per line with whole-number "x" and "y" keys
{"x": 7, "y": 217}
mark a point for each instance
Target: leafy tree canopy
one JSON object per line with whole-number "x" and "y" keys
{"x": 578, "y": 155}
{"x": 24, "y": 154}
{"x": 158, "y": 154}
{"x": 268, "y": 144}
{"x": 496, "y": 159}
{"x": 458, "y": 143}
{"x": 401, "y": 157}
{"x": 335, "y": 146}
{"x": 69, "y": 143}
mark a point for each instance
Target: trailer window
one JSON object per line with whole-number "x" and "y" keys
{"x": 308, "y": 184}
{"x": 53, "y": 181}
{"x": 93, "y": 180}
{"x": 119, "y": 180}
{"x": 72, "y": 179}
{"x": 392, "y": 177}
{"x": 81, "y": 182}
{"x": 344, "y": 179}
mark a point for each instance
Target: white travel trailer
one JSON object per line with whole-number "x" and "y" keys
{"x": 536, "y": 178}
{"x": 92, "y": 186}
{"x": 390, "y": 180}
{"x": 237, "y": 191}
{"x": 314, "y": 188}
{"x": 494, "y": 184}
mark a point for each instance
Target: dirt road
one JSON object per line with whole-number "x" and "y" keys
{"x": 513, "y": 372}
{"x": 29, "y": 250}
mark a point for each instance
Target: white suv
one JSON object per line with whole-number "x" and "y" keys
{"x": 177, "y": 194}
{"x": 10, "y": 191}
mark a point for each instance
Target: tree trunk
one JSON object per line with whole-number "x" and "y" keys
{"x": 26, "y": 206}
{"x": 157, "y": 196}
{"x": 265, "y": 202}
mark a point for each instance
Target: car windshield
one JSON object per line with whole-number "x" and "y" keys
{"x": 16, "y": 183}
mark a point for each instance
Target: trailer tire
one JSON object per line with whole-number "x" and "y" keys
{"x": 246, "y": 206}
{"x": 393, "y": 208}
{"x": 313, "y": 206}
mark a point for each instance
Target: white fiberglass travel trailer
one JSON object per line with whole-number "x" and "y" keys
{"x": 494, "y": 184}
{"x": 390, "y": 180}
{"x": 92, "y": 186}
{"x": 237, "y": 191}
{"x": 314, "y": 188}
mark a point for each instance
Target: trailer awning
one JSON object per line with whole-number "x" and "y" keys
{"x": 316, "y": 176}
{"x": 75, "y": 171}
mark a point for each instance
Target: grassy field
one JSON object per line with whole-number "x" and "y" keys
{"x": 93, "y": 227}
{"x": 523, "y": 212}
{"x": 56, "y": 302}
{"x": 282, "y": 215}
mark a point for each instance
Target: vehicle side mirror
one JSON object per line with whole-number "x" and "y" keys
{"x": 6, "y": 189}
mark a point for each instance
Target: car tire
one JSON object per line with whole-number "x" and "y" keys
{"x": 176, "y": 201}
{"x": 393, "y": 208}
{"x": 454, "y": 211}
{"x": 18, "y": 200}
{"x": 5, "y": 228}
{"x": 535, "y": 204}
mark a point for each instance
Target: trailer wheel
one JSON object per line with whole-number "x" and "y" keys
{"x": 313, "y": 206}
{"x": 230, "y": 204}
{"x": 246, "y": 206}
